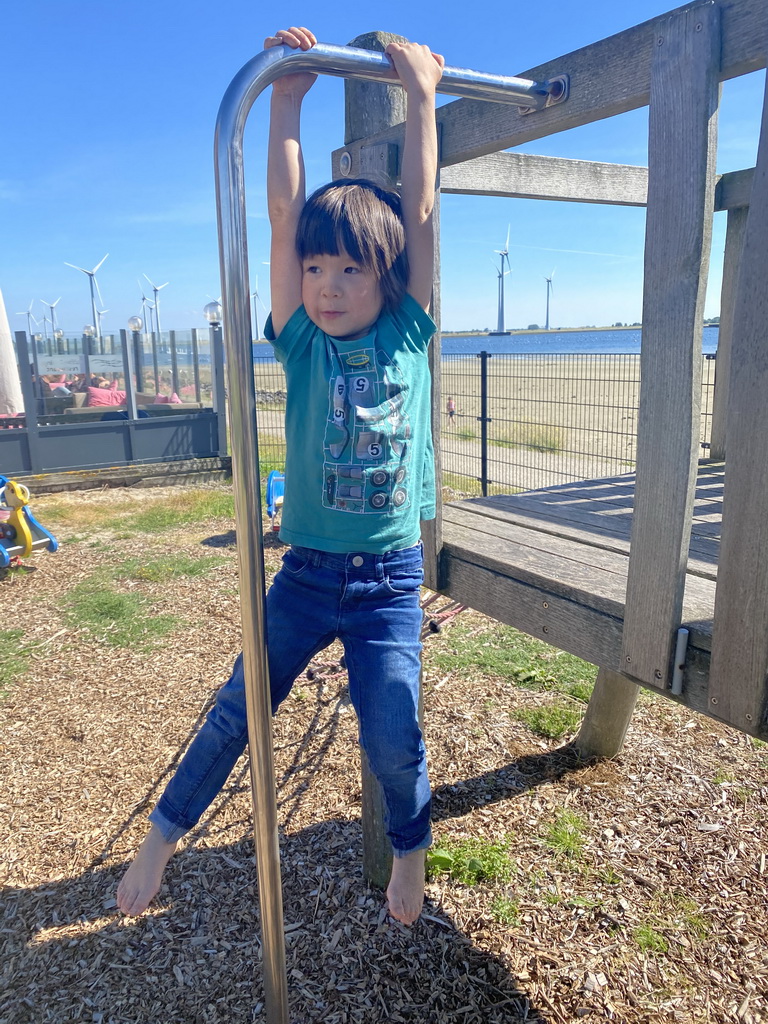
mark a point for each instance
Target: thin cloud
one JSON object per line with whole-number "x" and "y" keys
{"x": 579, "y": 252}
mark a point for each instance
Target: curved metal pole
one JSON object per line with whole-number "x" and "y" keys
{"x": 250, "y": 81}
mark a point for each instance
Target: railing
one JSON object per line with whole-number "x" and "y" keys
{"x": 92, "y": 403}
{"x": 522, "y": 421}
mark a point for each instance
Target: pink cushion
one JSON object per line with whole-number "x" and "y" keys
{"x": 167, "y": 399}
{"x": 105, "y": 396}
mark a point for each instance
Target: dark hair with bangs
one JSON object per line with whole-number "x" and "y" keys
{"x": 366, "y": 221}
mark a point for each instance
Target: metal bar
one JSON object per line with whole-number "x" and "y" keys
{"x": 250, "y": 81}
{"x": 483, "y": 417}
{"x": 196, "y": 362}
{"x": 174, "y": 362}
{"x": 30, "y": 403}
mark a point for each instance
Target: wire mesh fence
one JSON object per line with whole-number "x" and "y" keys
{"x": 524, "y": 421}
{"x": 270, "y": 412}
{"x": 520, "y": 421}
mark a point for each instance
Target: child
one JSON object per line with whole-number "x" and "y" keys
{"x": 349, "y": 325}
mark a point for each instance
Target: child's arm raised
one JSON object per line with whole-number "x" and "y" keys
{"x": 419, "y": 71}
{"x": 285, "y": 178}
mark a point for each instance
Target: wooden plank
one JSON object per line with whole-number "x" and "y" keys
{"x": 525, "y": 176}
{"x": 608, "y": 77}
{"x": 733, "y": 190}
{"x": 704, "y": 550}
{"x": 588, "y": 576}
{"x": 432, "y": 529}
{"x": 681, "y": 179}
{"x": 740, "y": 650}
{"x": 734, "y": 244}
{"x": 584, "y": 632}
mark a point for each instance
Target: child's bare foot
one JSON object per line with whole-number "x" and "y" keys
{"x": 141, "y": 882}
{"x": 405, "y": 891}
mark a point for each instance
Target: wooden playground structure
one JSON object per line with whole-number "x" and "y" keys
{"x": 612, "y": 570}
{"x": 657, "y": 577}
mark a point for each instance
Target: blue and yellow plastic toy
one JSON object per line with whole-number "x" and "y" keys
{"x": 20, "y": 532}
{"x": 275, "y": 494}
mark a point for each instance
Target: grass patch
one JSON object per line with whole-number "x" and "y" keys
{"x": 565, "y": 834}
{"x": 168, "y": 567}
{"x": 471, "y": 861}
{"x": 506, "y": 652}
{"x": 187, "y": 509}
{"x": 14, "y": 661}
{"x": 464, "y": 433}
{"x": 551, "y": 722}
{"x": 649, "y": 940}
{"x": 538, "y": 437}
{"x": 120, "y": 620}
{"x": 505, "y": 911}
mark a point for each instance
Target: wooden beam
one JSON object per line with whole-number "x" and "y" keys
{"x": 525, "y": 176}
{"x": 734, "y": 189}
{"x": 608, "y": 77}
{"x": 734, "y": 244}
{"x": 681, "y": 182}
{"x": 740, "y": 634}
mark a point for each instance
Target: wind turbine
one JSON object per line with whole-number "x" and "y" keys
{"x": 30, "y": 319}
{"x": 100, "y": 313}
{"x": 156, "y": 288}
{"x": 504, "y": 254}
{"x": 91, "y": 275}
{"x": 256, "y": 297}
{"x": 549, "y": 289}
{"x": 52, "y": 306}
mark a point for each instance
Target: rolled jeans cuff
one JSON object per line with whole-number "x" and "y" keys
{"x": 423, "y": 844}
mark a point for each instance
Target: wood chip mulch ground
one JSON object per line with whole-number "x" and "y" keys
{"x": 661, "y": 917}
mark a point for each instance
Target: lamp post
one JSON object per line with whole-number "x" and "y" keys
{"x": 212, "y": 313}
{"x": 88, "y": 333}
{"x": 135, "y": 324}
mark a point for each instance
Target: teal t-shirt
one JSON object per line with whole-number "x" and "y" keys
{"x": 359, "y": 473}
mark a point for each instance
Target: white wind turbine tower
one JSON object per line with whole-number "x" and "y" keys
{"x": 502, "y": 273}
{"x": 256, "y": 298}
{"x": 146, "y": 305}
{"x": 549, "y": 290}
{"x": 100, "y": 313}
{"x": 91, "y": 275}
{"x": 30, "y": 319}
{"x": 52, "y": 306}
{"x": 156, "y": 288}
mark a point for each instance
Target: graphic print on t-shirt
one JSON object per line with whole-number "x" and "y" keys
{"x": 366, "y": 446}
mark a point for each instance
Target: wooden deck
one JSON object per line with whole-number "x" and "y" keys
{"x": 554, "y": 564}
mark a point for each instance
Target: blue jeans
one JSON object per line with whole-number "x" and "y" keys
{"x": 369, "y": 602}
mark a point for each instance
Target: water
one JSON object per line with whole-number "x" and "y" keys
{"x": 572, "y": 342}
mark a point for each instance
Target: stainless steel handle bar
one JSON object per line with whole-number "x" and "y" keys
{"x": 250, "y": 81}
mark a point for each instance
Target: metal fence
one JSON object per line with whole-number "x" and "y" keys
{"x": 521, "y": 422}
{"x": 115, "y": 400}
{"x": 525, "y": 421}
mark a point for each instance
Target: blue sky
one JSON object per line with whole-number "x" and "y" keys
{"x": 107, "y": 120}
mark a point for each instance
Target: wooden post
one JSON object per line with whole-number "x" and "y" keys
{"x": 681, "y": 185}
{"x": 608, "y": 716}
{"x": 734, "y": 244}
{"x": 737, "y": 687}
{"x": 370, "y": 107}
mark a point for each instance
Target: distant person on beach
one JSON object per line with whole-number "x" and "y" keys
{"x": 351, "y": 274}
{"x": 451, "y": 409}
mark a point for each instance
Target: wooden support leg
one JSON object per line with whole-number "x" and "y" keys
{"x": 608, "y": 716}
{"x": 377, "y": 850}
